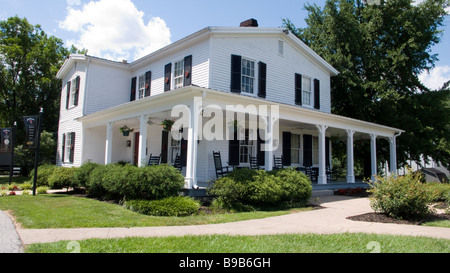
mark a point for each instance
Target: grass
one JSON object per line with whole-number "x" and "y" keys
{"x": 291, "y": 243}
{"x": 64, "y": 211}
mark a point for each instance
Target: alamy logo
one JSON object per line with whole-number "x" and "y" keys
{"x": 234, "y": 122}
{"x": 373, "y": 2}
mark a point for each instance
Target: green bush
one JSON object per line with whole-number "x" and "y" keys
{"x": 83, "y": 173}
{"x": 44, "y": 172}
{"x": 402, "y": 197}
{"x": 244, "y": 188}
{"x": 295, "y": 185}
{"x": 42, "y": 190}
{"x": 161, "y": 181}
{"x": 115, "y": 181}
{"x": 170, "y": 206}
{"x": 62, "y": 177}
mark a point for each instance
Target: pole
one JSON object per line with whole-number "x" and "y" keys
{"x": 36, "y": 152}
{"x": 11, "y": 166}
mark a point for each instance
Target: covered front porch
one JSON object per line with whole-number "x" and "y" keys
{"x": 301, "y": 137}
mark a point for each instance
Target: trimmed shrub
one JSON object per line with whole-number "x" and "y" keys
{"x": 44, "y": 172}
{"x": 244, "y": 188}
{"x": 161, "y": 181}
{"x": 404, "y": 197}
{"x": 115, "y": 181}
{"x": 82, "y": 174}
{"x": 62, "y": 177}
{"x": 170, "y": 206}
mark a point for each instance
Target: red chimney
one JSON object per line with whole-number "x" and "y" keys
{"x": 249, "y": 23}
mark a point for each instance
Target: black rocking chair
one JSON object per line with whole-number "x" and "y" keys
{"x": 221, "y": 171}
{"x": 177, "y": 164}
{"x": 154, "y": 160}
{"x": 278, "y": 162}
{"x": 254, "y": 163}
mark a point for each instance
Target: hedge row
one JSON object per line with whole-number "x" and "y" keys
{"x": 245, "y": 188}
{"x": 115, "y": 181}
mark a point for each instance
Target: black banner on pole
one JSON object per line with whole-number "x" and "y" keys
{"x": 6, "y": 140}
{"x": 31, "y": 130}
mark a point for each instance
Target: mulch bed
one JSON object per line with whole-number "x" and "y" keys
{"x": 383, "y": 218}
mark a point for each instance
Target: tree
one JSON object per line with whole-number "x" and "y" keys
{"x": 380, "y": 50}
{"x": 29, "y": 62}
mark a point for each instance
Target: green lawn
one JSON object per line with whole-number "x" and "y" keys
{"x": 64, "y": 211}
{"x": 291, "y": 243}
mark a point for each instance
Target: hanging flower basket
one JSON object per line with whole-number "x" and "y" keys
{"x": 167, "y": 125}
{"x": 125, "y": 130}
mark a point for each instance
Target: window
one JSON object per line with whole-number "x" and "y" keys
{"x": 315, "y": 150}
{"x": 175, "y": 145}
{"x": 141, "y": 86}
{"x": 68, "y": 147}
{"x": 246, "y": 148}
{"x": 306, "y": 91}
{"x": 280, "y": 47}
{"x": 179, "y": 74}
{"x": 295, "y": 149}
{"x": 248, "y": 76}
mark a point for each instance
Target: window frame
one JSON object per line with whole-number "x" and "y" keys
{"x": 297, "y": 150}
{"x": 247, "y": 144}
{"x": 178, "y": 78}
{"x": 252, "y": 79}
{"x": 315, "y": 150}
{"x": 68, "y": 149}
{"x": 140, "y": 87}
{"x": 307, "y": 92}
{"x": 73, "y": 91}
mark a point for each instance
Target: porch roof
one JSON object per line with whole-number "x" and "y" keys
{"x": 165, "y": 102}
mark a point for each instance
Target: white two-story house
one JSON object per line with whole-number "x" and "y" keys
{"x": 208, "y": 71}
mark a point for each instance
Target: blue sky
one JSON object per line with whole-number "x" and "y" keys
{"x": 129, "y": 29}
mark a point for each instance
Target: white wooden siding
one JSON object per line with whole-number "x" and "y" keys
{"x": 280, "y": 68}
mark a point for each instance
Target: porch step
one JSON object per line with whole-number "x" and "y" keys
{"x": 317, "y": 193}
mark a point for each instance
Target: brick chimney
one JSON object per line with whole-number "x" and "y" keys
{"x": 249, "y": 23}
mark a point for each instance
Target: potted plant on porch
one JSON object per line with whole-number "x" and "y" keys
{"x": 125, "y": 130}
{"x": 167, "y": 124}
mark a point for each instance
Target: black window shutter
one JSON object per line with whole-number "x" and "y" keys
{"x": 187, "y": 71}
{"x": 307, "y": 150}
{"x": 63, "y": 147}
{"x": 316, "y": 94}
{"x": 164, "y": 146}
{"x": 183, "y": 153}
{"x": 68, "y": 95}
{"x": 287, "y": 148}
{"x": 148, "y": 83}
{"x": 77, "y": 91}
{"x": 298, "y": 89}
{"x": 133, "y": 89}
{"x": 261, "y": 155}
{"x": 167, "y": 77}
{"x": 72, "y": 147}
{"x": 236, "y": 63}
{"x": 233, "y": 150}
{"x": 262, "y": 75}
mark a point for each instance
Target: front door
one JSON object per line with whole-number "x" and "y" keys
{"x": 136, "y": 148}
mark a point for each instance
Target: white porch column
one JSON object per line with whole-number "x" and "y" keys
{"x": 142, "y": 156}
{"x": 109, "y": 135}
{"x": 268, "y": 145}
{"x": 393, "y": 155}
{"x": 373, "y": 153}
{"x": 190, "y": 179}
{"x": 350, "y": 159}
{"x": 322, "y": 179}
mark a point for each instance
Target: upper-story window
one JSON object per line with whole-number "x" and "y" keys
{"x": 248, "y": 76}
{"x": 73, "y": 91}
{"x": 178, "y": 74}
{"x": 306, "y": 91}
{"x": 141, "y": 90}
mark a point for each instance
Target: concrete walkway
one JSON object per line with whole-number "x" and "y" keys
{"x": 329, "y": 220}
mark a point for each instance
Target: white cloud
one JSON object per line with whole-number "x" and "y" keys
{"x": 73, "y": 2}
{"x": 115, "y": 29}
{"x": 436, "y": 78}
